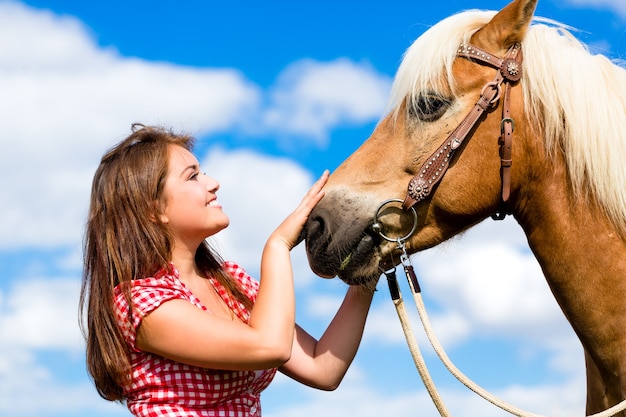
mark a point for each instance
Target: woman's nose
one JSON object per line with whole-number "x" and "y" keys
{"x": 211, "y": 183}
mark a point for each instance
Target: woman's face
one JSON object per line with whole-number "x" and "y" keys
{"x": 190, "y": 206}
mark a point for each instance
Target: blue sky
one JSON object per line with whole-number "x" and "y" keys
{"x": 275, "y": 92}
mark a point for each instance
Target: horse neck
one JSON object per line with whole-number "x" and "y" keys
{"x": 581, "y": 254}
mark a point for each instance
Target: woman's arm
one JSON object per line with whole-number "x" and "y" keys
{"x": 322, "y": 364}
{"x": 180, "y": 331}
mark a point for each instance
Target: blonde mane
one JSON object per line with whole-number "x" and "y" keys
{"x": 577, "y": 100}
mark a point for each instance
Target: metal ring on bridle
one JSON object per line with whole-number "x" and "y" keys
{"x": 378, "y": 227}
{"x": 507, "y": 120}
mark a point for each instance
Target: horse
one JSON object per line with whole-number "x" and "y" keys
{"x": 544, "y": 144}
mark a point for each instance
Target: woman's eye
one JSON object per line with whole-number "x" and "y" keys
{"x": 429, "y": 107}
{"x": 194, "y": 176}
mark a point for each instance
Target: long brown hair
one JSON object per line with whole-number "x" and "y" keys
{"x": 125, "y": 240}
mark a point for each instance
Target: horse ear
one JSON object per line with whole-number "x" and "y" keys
{"x": 507, "y": 27}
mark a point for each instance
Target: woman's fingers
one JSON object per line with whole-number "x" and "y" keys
{"x": 291, "y": 228}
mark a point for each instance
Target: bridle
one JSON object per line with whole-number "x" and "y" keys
{"x": 433, "y": 169}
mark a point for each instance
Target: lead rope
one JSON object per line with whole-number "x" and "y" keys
{"x": 419, "y": 303}
{"x": 420, "y": 364}
{"x": 396, "y": 297}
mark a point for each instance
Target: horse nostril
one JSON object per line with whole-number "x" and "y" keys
{"x": 314, "y": 228}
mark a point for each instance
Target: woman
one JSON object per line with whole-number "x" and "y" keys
{"x": 172, "y": 329}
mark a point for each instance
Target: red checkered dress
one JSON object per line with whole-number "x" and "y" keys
{"x": 163, "y": 387}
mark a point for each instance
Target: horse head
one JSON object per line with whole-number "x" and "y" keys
{"x": 432, "y": 94}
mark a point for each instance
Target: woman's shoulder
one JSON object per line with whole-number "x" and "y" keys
{"x": 149, "y": 292}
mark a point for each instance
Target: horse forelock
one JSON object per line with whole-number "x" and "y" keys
{"x": 427, "y": 64}
{"x": 575, "y": 100}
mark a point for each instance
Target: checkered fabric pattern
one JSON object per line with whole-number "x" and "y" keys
{"x": 161, "y": 387}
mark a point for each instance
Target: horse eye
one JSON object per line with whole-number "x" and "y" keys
{"x": 428, "y": 108}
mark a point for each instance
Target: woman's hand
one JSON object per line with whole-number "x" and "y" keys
{"x": 289, "y": 231}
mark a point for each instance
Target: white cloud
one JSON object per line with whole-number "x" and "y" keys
{"x": 491, "y": 282}
{"x": 41, "y": 313}
{"x": 311, "y": 97}
{"x": 356, "y": 397}
{"x": 618, "y": 6}
{"x": 57, "y": 81}
{"x": 495, "y": 283}
{"x": 29, "y": 388}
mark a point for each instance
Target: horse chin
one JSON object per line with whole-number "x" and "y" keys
{"x": 361, "y": 272}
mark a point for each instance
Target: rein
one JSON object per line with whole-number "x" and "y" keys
{"x": 436, "y": 165}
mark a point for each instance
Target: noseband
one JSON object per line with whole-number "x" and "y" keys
{"x": 433, "y": 169}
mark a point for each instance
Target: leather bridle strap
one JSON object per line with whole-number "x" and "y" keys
{"x": 506, "y": 144}
{"x": 433, "y": 169}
